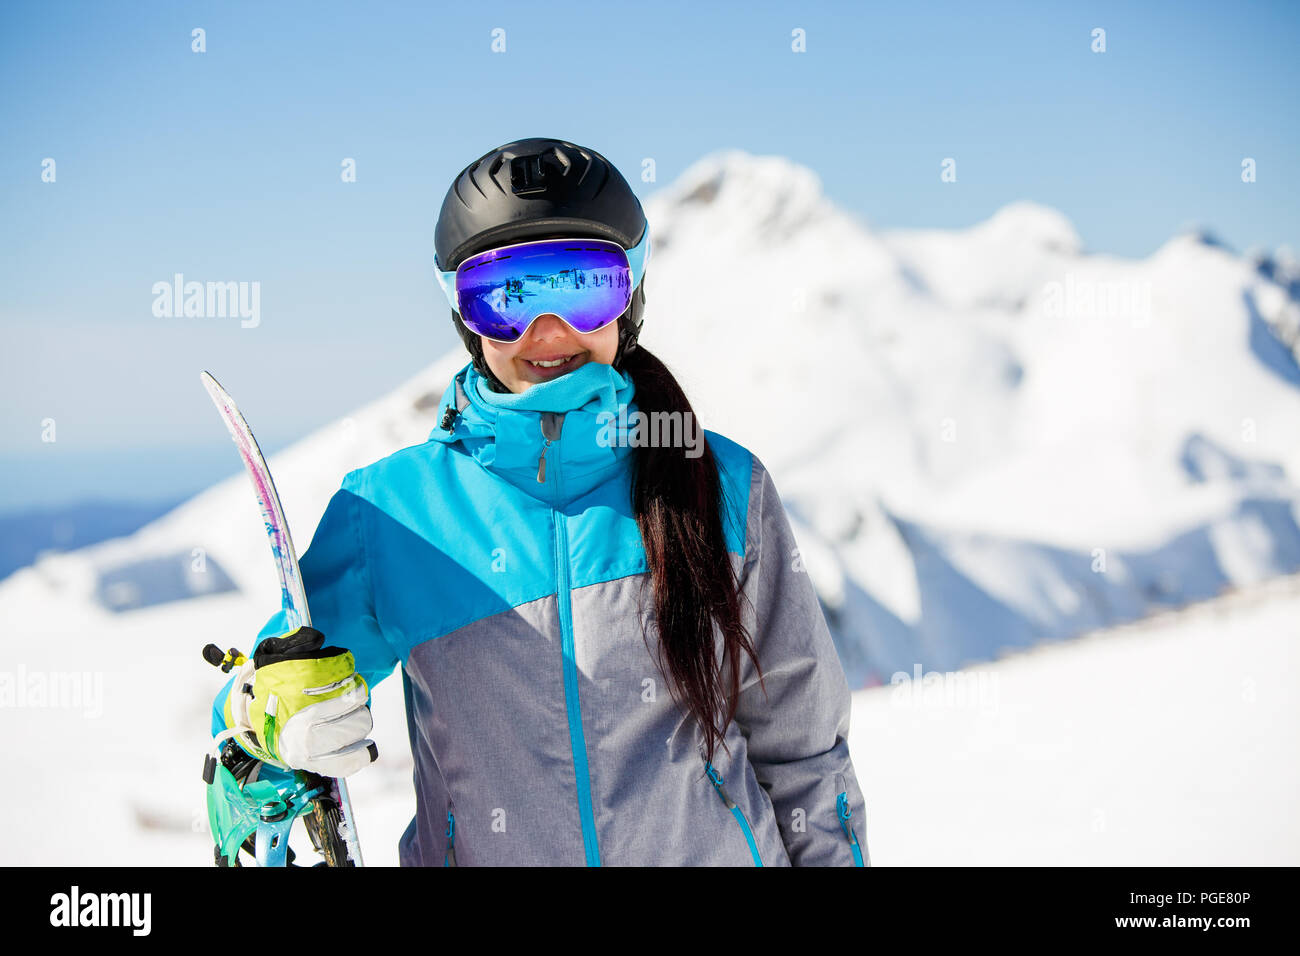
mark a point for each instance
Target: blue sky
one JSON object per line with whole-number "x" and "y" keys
{"x": 225, "y": 165}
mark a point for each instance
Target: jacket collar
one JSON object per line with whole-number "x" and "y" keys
{"x": 587, "y": 413}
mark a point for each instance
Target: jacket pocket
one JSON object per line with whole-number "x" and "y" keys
{"x": 844, "y": 814}
{"x": 449, "y": 858}
{"x": 715, "y": 778}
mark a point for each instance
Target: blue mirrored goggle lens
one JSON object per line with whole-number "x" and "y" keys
{"x": 586, "y": 282}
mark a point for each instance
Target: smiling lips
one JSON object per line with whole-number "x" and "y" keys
{"x": 550, "y": 362}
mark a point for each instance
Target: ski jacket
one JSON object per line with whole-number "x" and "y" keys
{"x": 499, "y": 563}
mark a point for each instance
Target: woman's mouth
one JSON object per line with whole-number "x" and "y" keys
{"x": 553, "y": 365}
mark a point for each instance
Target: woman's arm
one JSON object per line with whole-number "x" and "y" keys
{"x": 797, "y": 733}
{"x": 336, "y": 579}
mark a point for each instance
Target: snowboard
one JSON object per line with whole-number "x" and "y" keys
{"x": 331, "y": 824}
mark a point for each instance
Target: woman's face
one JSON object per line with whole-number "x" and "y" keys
{"x": 548, "y": 339}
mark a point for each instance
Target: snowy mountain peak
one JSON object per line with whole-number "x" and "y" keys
{"x": 1029, "y": 224}
{"x": 766, "y": 195}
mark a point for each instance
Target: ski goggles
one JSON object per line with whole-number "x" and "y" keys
{"x": 586, "y": 282}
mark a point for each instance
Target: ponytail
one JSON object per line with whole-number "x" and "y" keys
{"x": 677, "y": 501}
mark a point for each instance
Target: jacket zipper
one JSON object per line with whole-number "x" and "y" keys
{"x": 716, "y": 779}
{"x": 449, "y": 858}
{"x": 844, "y": 813}
{"x": 577, "y": 740}
{"x": 541, "y": 462}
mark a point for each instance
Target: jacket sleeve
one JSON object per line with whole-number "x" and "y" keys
{"x": 336, "y": 578}
{"x": 798, "y": 732}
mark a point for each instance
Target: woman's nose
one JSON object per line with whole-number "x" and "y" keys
{"x": 548, "y": 326}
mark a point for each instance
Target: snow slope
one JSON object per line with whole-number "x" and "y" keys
{"x": 1169, "y": 741}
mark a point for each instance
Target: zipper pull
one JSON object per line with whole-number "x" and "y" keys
{"x": 449, "y": 858}
{"x": 844, "y": 813}
{"x": 716, "y": 779}
{"x": 541, "y": 463}
{"x": 551, "y": 424}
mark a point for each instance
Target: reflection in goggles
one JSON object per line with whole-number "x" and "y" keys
{"x": 498, "y": 295}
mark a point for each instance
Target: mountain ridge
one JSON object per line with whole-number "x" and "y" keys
{"x": 959, "y": 421}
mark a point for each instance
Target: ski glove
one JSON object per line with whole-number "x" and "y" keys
{"x": 299, "y": 705}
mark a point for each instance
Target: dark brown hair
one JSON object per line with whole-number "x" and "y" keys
{"x": 678, "y": 503}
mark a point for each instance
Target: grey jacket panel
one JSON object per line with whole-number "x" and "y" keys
{"x": 486, "y": 702}
{"x": 490, "y": 734}
{"x": 798, "y": 730}
{"x": 655, "y": 805}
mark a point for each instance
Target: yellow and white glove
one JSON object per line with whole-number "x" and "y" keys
{"x": 299, "y": 705}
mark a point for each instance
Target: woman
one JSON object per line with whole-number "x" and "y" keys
{"x": 610, "y": 651}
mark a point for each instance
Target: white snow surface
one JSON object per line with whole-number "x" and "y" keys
{"x": 986, "y": 438}
{"x": 1169, "y": 741}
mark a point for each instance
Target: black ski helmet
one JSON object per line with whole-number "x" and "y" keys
{"x": 539, "y": 189}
